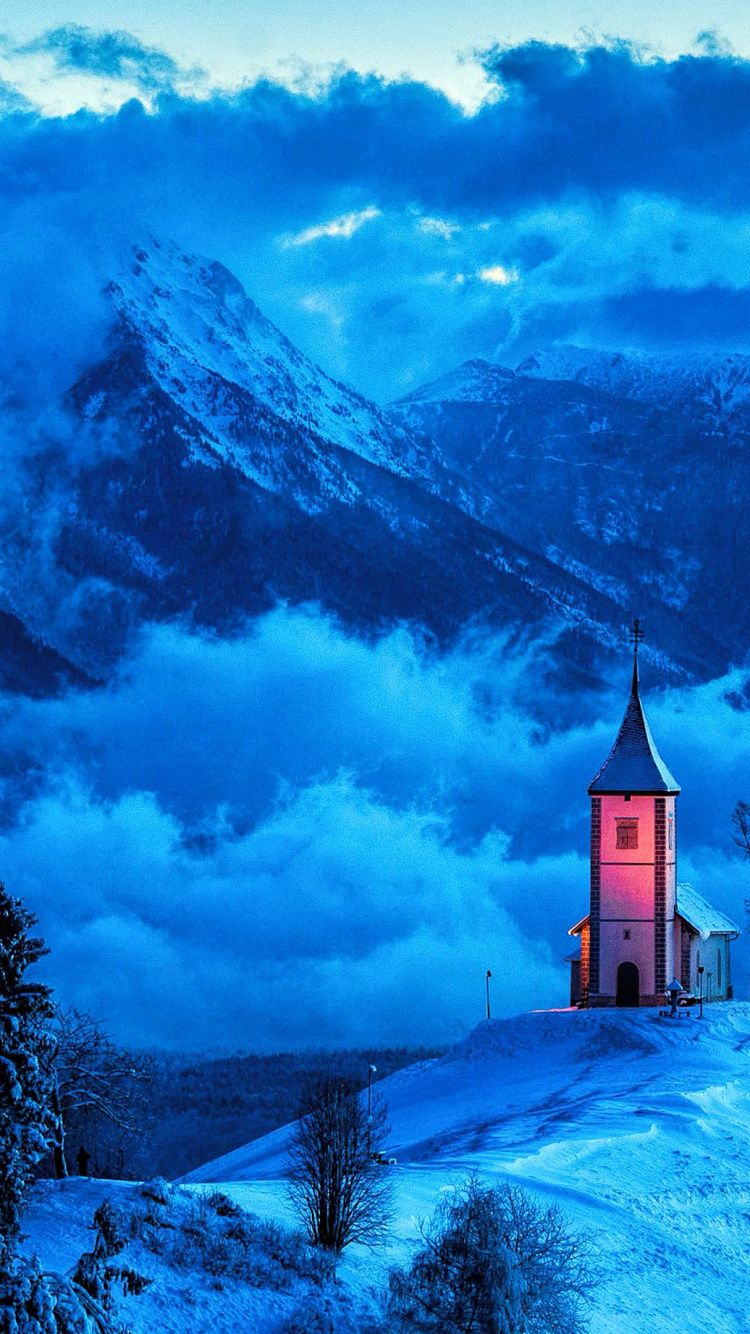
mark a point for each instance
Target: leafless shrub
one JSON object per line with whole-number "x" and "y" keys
{"x": 741, "y": 826}
{"x": 341, "y": 1193}
{"x": 209, "y": 1233}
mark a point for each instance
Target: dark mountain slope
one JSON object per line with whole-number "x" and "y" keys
{"x": 634, "y": 475}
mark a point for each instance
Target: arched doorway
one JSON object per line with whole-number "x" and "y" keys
{"x": 628, "y": 985}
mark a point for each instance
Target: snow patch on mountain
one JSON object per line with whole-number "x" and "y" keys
{"x": 476, "y": 381}
{"x": 721, "y": 384}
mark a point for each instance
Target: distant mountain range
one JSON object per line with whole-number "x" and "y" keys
{"x": 207, "y": 469}
{"x": 630, "y": 472}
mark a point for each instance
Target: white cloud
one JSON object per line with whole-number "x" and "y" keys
{"x": 439, "y": 227}
{"x": 344, "y": 226}
{"x": 499, "y": 275}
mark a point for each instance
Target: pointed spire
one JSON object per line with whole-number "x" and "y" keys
{"x": 634, "y": 764}
{"x": 636, "y": 638}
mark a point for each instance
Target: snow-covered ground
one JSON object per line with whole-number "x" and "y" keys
{"x": 638, "y": 1126}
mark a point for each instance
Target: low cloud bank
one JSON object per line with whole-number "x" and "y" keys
{"x": 295, "y": 838}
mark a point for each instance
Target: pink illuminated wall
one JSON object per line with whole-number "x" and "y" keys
{"x": 637, "y": 892}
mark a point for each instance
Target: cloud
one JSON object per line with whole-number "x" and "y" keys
{"x": 654, "y": 314}
{"x": 53, "y": 316}
{"x": 612, "y": 183}
{"x": 498, "y": 275}
{"x": 317, "y": 827}
{"x": 345, "y": 227}
{"x": 439, "y": 227}
{"x": 108, "y": 55}
{"x": 305, "y": 930}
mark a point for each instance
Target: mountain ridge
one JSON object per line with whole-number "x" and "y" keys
{"x": 630, "y": 472}
{"x": 224, "y": 471}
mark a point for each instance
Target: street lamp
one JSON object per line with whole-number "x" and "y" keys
{"x": 708, "y": 987}
{"x": 700, "y": 982}
{"x": 488, "y": 975}
{"x": 371, "y": 1070}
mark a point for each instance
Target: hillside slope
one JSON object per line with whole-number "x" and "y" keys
{"x": 639, "y": 1127}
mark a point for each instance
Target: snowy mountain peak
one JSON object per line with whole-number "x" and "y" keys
{"x": 204, "y": 338}
{"x": 475, "y": 381}
{"x": 719, "y": 381}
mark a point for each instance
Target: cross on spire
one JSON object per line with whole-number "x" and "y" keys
{"x": 636, "y": 639}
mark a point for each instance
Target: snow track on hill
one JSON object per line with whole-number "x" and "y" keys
{"x": 639, "y": 1127}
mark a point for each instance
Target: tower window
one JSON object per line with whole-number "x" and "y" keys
{"x": 626, "y": 933}
{"x": 670, "y": 830}
{"x": 627, "y": 833}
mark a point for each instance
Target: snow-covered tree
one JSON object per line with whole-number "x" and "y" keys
{"x": 27, "y": 1119}
{"x": 35, "y": 1302}
{"x": 26, "y": 1304}
{"x": 494, "y": 1261}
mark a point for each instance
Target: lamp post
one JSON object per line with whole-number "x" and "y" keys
{"x": 700, "y": 983}
{"x": 708, "y": 987}
{"x": 488, "y": 975}
{"x": 371, "y": 1070}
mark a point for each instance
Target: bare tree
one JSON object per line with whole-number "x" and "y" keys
{"x": 741, "y": 825}
{"x": 94, "y": 1080}
{"x": 494, "y": 1261}
{"x": 340, "y": 1190}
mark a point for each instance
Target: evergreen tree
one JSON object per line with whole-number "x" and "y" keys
{"x": 27, "y": 1122}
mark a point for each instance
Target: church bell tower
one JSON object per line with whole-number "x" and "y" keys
{"x": 627, "y": 954}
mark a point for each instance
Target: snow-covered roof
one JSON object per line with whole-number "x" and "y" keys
{"x": 634, "y": 764}
{"x": 699, "y": 914}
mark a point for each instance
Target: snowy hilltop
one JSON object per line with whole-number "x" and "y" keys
{"x": 638, "y": 1126}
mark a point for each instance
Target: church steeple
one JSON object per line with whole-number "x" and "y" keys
{"x": 637, "y": 637}
{"x": 634, "y": 764}
{"x": 638, "y": 932}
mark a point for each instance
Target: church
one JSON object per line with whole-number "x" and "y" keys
{"x": 643, "y": 928}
